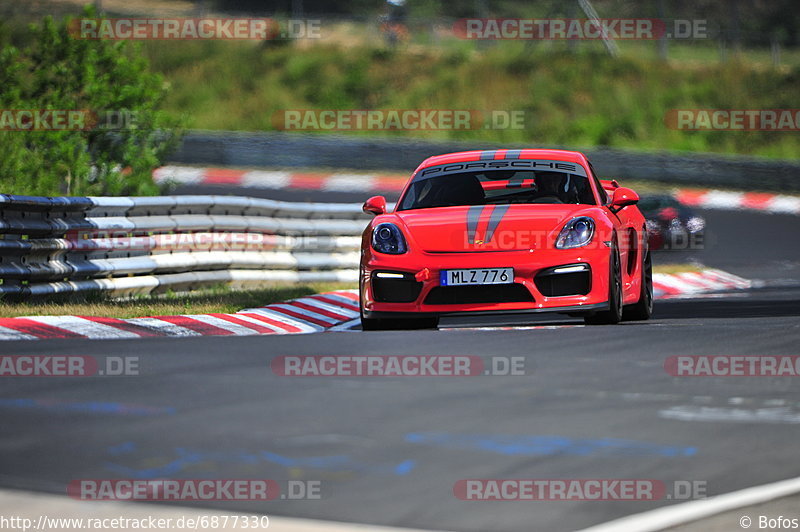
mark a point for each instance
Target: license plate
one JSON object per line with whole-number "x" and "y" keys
{"x": 476, "y": 276}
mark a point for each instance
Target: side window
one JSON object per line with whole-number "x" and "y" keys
{"x": 600, "y": 189}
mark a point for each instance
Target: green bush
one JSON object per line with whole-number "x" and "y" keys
{"x": 55, "y": 71}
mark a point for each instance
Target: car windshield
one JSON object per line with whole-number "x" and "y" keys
{"x": 497, "y": 187}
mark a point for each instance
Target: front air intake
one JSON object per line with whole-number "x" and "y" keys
{"x": 496, "y": 293}
{"x": 572, "y": 280}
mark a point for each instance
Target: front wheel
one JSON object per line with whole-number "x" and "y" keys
{"x": 642, "y": 309}
{"x": 614, "y": 313}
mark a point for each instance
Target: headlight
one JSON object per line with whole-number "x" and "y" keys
{"x": 578, "y": 232}
{"x": 387, "y": 238}
{"x": 695, "y": 224}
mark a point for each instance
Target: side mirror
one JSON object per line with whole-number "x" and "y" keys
{"x": 377, "y": 205}
{"x": 622, "y": 198}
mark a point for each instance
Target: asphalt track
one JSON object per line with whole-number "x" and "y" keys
{"x": 595, "y": 402}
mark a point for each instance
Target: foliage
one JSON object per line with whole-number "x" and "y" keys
{"x": 569, "y": 99}
{"x": 125, "y": 134}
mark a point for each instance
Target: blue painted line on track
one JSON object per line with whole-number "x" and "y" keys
{"x": 534, "y": 445}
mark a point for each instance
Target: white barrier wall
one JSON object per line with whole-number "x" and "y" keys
{"x": 142, "y": 245}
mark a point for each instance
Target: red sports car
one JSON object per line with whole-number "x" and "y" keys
{"x": 503, "y": 231}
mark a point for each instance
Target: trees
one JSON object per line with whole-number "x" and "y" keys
{"x": 125, "y": 137}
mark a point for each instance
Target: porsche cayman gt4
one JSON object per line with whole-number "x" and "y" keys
{"x": 505, "y": 231}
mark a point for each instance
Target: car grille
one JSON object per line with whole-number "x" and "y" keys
{"x": 552, "y": 284}
{"x": 404, "y": 290}
{"x": 497, "y": 293}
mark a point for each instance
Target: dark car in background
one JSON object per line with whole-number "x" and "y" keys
{"x": 671, "y": 224}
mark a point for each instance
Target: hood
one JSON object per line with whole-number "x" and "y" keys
{"x": 485, "y": 228}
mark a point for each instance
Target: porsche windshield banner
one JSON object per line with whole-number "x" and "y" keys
{"x": 501, "y": 164}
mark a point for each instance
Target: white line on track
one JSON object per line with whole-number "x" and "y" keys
{"x": 678, "y": 514}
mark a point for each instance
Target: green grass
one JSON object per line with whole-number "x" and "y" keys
{"x": 578, "y": 100}
{"x": 577, "y": 97}
{"x": 677, "y": 267}
{"x": 217, "y": 300}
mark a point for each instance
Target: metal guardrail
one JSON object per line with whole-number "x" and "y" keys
{"x": 149, "y": 245}
{"x": 276, "y": 149}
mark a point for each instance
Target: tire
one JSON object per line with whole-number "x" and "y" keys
{"x": 642, "y": 309}
{"x": 614, "y": 313}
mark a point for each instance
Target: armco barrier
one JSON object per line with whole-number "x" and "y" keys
{"x": 141, "y": 245}
{"x": 276, "y": 149}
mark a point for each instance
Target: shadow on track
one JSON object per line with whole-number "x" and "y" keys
{"x": 729, "y": 307}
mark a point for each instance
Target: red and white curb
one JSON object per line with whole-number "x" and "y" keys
{"x": 688, "y": 284}
{"x": 330, "y": 311}
{"x": 320, "y": 312}
{"x": 385, "y": 183}
{"x": 755, "y": 201}
{"x": 336, "y": 182}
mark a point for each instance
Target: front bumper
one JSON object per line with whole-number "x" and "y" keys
{"x": 584, "y": 309}
{"x": 528, "y": 294}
